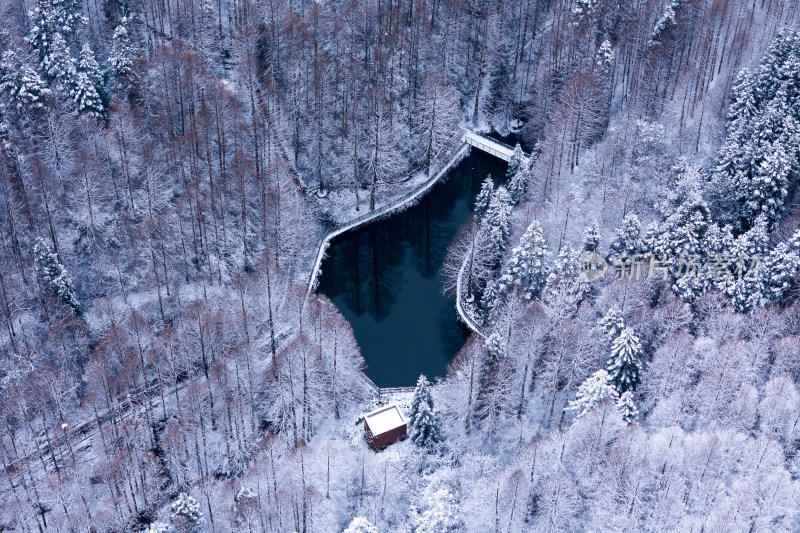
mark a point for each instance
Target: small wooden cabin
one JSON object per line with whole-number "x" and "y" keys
{"x": 384, "y": 426}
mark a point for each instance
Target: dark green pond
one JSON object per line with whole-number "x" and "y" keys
{"x": 385, "y": 279}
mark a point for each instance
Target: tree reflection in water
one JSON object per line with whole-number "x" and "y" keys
{"x": 385, "y": 280}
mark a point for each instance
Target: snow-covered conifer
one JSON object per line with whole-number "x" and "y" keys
{"x": 666, "y": 21}
{"x": 604, "y": 57}
{"x": 484, "y": 197}
{"x": 518, "y": 183}
{"x": 88, "y": 89}
{"x": 564, "y": 290}
{"x": 54, "y": 276}
{"x": 628, "y": 237}
{"x": 425, "y": 429}
{"x": 89, "y": 65}
{"x": 498, "y": 219}
{"x": 583, "y": 7}
{"x": 121, "y": 56}
{"x": 516, "y": 163}
{"x": 491, "y": 296}
{"x": 612, "y": 324}
{"x": 58, "y": 62}
{"x": 22, "y": 84}
{"x": 755, "y": 163}
{"x": 496, "y": 348}
{"x": 87, "y": 99}
{"x": 51, "y": 17}
{"x": 54, "y": 24}
{"x": 360, "y": 524}
{"x": 591, "y": 238}
{"x": 680, "y": 238}
{"x": 422, "y": 394}
{"x": 185, "y": 513}
{"x": 746, "y": 286}
{"x": 424, "y": 426}
{"x": 781, "y": 267}
{"x": 627, "y": 407}
{"x": 686, "y": 219}
{"x": 529, "y": 264}
{"x": 743, "y": 100}
{"x": 769, "y": 186}
{"x": 624, "y": 363}
{"x": 591, "y": 392}
{"x": 442, "y": 515}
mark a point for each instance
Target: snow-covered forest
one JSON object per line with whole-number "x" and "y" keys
{"x": 169, "y": 168}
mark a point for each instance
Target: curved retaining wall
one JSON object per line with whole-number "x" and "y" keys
{"x": 399, "y": 205}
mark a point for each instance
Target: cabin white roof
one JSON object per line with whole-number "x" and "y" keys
{"x": 385, "y": 419}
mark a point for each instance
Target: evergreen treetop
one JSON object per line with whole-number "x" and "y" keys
{"x": 624, "y": 365}
{"x": 591, "y": 392}
{"x": 627, "y": 407}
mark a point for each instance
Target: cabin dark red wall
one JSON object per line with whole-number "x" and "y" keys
{"x": 384, "y": 439}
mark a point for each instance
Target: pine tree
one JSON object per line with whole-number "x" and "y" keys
{"x": 686, "y": 219}
{"x": 591, "y": 392}
{"x": 21, "y": 84}
{"x": 87, "y": 100}
{"x": 54, "y": 20}
{"x": 59, "y": 64}
{"x": 781, "y": 268}
{"x": 624, "y": 365}
{"x": 54, "y": 276}
{"x": 496, "y": 348}
{"x": 666, "y": 21}
{"x": 582, "y": 7}
{"x": 729, "y": 180}
{"x": 564, "y": 289}
{"x": 759, "y": 156}
{"x": 422, "y": 394}
{"x": 185, "y": 513}
{"x": 88, "y": 64}
{"x": 516, "y": 163}
{"x": 440, "y": 516}
{"x": 743, "y": 100}
{"x": 484, "y": 197}
{"x": 498, "y": 220}
{"x": 492, "y": 294}
{"x": 627, "y": 408}
{"x": 746, "y": 287}
{"x": 604, "y": 58}
{"x": 360, "y": 524}
{"x": 68, "y": 16}
{"x": 627, "y": 240}
{"x": 424, "y": 427}
{"x": 43, "y": 27}
{"x": 518, "y": 183}
{"x": 680, "y": 238}
{"x": 612, "y": 324}
{"x": 591, "y": 238}
{"x": 121, "y": 56}
{"x": 770, "y": 184}
{"x": 529, "y": 264}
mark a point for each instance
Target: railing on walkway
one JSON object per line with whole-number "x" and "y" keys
{"x": 379, "y": 213}
{"x": 486, "y": 144}
{"x": 493, "y": 140}
{"x": 489, "y": 145}
{"x": 471, "y": 323}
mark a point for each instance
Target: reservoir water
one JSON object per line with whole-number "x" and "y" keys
{"x": 385, "y": 279}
